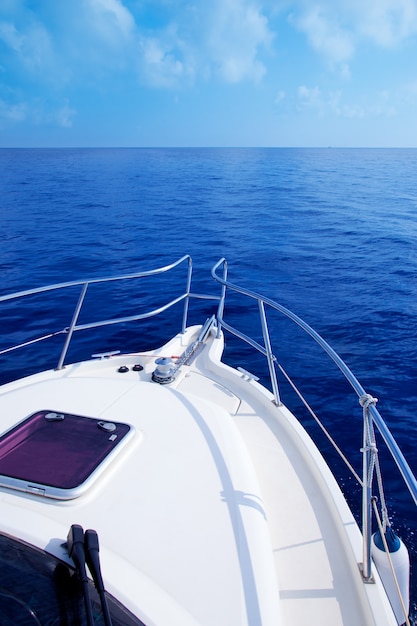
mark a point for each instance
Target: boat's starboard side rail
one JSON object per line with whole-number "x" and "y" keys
{"x": 370, "y": 413}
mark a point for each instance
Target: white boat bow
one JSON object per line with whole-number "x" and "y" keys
{"x": 212, "y": 504}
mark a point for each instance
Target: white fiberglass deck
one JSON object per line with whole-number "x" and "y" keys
{"x": 220, "y": 511}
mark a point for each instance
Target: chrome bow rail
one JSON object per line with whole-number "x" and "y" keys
{"x": 74, "y": 326}
{"x": 371, "y": 414}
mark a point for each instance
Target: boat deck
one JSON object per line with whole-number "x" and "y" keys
{"x": 249, "y": 525}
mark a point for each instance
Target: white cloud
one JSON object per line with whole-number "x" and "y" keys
{"x": 161, "y": 66}
{"x": 10, "y": 36}
{"x": 338, "y": 29}
{"x": 326, "y": 35}
{"x": 309, "y": 97}
{"x": 386, "y": 22}
{"x": 31, "y": 46}
{"x": 344, "y": 70}
{"x": 64, "y": 115}
{"x": 12, "y": 112}
{"x": 44, "y": 113}
{"x": 332, "y": 103}
{"x": 237, "y": 30}
{"x": 111, "y": 20}
{"x": 79, "y": 42}
{"x": 279, "y": 97}
{"x": 340, "y": 109}
{"x": 221, "y": 39}
{"x": 411, "y": 88}
{"x": 38, "y": 112}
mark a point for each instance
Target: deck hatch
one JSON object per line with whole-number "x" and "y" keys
{"x": 59, "y": 454}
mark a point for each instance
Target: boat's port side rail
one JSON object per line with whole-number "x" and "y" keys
{"x": 370, "y": 412}
{"x": 74, "y": 326}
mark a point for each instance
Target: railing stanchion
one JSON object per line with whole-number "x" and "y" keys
{"x": 72, "y": 326}
{"x": 187, "y": 297}
{"x": 269, "y": 354}
{"x": 366, "y": 496}
{"x": 222, "y": 299}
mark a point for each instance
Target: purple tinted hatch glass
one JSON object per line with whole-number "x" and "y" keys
{"x": 58, "y": 449}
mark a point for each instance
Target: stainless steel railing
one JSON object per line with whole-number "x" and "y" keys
{"x": 74, "y": 326}
{"x": 266, "y": 350}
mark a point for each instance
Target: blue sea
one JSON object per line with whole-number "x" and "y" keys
{"x": 329, "y": 233}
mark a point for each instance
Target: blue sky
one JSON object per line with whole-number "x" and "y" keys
{"x": 208, "y": 73}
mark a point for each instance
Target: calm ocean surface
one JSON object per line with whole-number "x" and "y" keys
{"x": 330, "y": 233}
